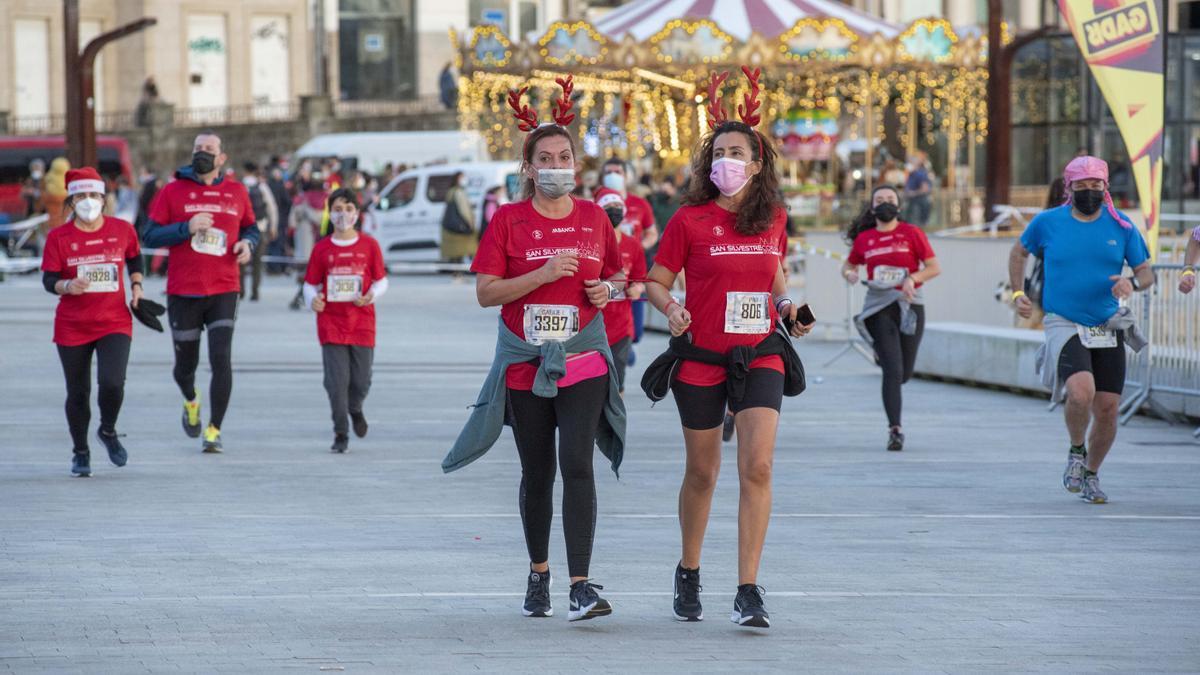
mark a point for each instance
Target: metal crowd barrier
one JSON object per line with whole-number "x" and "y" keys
{"x": 1170, "y": 364}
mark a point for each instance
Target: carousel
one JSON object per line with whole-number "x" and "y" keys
{"x": 842, "y": 90}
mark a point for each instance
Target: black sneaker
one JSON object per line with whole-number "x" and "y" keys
{"x": 359, "y": 422}
{"x": 586, "y": 603}
{"x": 687, "y": 594}
{"x": 81, "y": 464}
{"x": 537, "y": 595}
{"x": 748, "y": 607}
{"x": 895, "y": 440}
{"x": 727, "y": 428}
{"x": 116, "y": 451}
{"x": 341, "y": 443}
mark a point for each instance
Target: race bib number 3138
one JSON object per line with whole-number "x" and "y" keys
{"x": 209, "y": 242}
{"x": 747, "y": 313}
{"x": 343, "y": 287}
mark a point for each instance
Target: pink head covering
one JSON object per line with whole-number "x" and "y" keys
{"x": 1083, "y": 168}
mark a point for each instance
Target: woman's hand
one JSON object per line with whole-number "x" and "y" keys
{"x": 137, "y": 294}
{"x": 679, "y": 320}
{"x": 909, "y": 288}
{"x": 78, "y": 286}
{"x": 318, "y": 304}
{"x": 851, "y": 276}
{"x": 561, "y": 265}
{"x": 597, "y": 292}
{"x": 364, "y": 300}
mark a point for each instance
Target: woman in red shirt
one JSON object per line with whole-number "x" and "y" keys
{"x": 551, "y": 261}
{"x": 731, "y": 238}
{"x": 344, "y": 279}
{"x": 83, "y": 263}
{"x": 899, "y": 261}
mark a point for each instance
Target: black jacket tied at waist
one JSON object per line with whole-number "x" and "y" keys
{"x": 656, "y": 381}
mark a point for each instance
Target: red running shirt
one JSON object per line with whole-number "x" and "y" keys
{"x": 639, "y": 217}
{"x": 204, "y": 267}
{"x": 618, "y": 314}
{"x": 520, "y": 240}
{"x": 904, "y": 247}
{"x": 341, "y": 272}
{"x": 80, "y": 319}
{"x": 719, "y": 261}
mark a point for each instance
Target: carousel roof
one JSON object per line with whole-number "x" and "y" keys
{"x": 738, "y": 18}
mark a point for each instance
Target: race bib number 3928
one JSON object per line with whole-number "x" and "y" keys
{"x": 102, "y": 277}
{"x": 747, "y": 313}
{"x": 545, "y": 323}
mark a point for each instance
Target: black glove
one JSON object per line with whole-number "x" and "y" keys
{"x": 148, "y": 311}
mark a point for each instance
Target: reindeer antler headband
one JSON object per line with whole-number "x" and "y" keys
{"x": 527, "y": 119}
{"x": 747, "y": 110}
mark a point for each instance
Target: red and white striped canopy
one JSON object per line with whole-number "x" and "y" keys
{"x": 769, "y": 18}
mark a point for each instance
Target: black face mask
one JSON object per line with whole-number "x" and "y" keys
{"x": 885, "y": 212}
{"x": 615, "y": 216}
{"x": 1087, "y": 201}
{"x": 203, "y": 162}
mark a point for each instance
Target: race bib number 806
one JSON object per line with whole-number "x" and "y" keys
{"x": 747, "y": 313}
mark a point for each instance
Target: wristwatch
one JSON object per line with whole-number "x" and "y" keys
{"x": 1134, "y": 282}
{"x": 612, "y": 290}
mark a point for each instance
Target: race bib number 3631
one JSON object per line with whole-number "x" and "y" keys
{"x": 545, "y": 323}
{"x": 343, "y": 287}
{"x": 103, "y": 277}
{"x": 209, "y": 242}
{"x": 747, "y": 313}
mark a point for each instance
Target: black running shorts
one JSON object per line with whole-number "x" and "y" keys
{"x": 189, "y": 315}
{"x": 1107, "y": 365}
{"x": 704, "y": 407}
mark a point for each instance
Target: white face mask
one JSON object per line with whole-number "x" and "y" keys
{"x": 556, "y": 182}
{"x": 614, "y": 181}
{"x": 343, "y": 220}
{"x": 88, "y": 210}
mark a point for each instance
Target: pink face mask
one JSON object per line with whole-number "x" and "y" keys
{"x": 729, "y": 175}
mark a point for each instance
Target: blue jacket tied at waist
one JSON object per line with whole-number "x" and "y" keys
{"x": 487, "y": 417}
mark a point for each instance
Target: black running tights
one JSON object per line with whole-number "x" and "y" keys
{"x": 220, "y": 359}
{"x": 575, "y": 413}
{"x": 112, "y": 355}
{"x": 897, "y": 354}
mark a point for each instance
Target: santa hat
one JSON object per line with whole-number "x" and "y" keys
{"x": 83, "y": 180}
{"x": 606, "y": 197}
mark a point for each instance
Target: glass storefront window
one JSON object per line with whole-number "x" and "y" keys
{"x": 377, "y": 49}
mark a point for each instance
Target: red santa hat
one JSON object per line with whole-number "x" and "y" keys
{"x": 85, "y": 179}
{"x": 606, "y": 197}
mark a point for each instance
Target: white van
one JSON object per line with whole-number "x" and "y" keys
{"x": 407, "y": 219}
{"x": 371, "y": 151}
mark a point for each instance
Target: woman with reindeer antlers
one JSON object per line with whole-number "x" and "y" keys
{"x": 552, "y": 262}
{"x": 731, "y": 238}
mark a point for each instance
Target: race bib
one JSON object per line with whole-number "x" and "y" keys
{"x": 1097, "y": 337}
{"x": 626, "y": 228}
{"x": 103, "y": 277}
{"x": 547, "y": 323}
{"x": 343, "y": 287}
{"x": 209, "y": 242}
{"x": 747, "y": 313}
{"x": 890, "y": 276}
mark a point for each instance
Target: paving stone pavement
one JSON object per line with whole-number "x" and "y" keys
{"x": 961, "y": 554}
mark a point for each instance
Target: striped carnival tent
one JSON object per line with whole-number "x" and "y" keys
{"x": 739, "y": 18}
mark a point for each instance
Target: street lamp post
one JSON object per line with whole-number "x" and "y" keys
{"x": 81, "y": 108}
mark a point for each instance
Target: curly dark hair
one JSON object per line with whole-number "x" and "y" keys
{"x": 866, "y": 220}
{"x": 531, "y": 141}
{"x": 763, "y": 200}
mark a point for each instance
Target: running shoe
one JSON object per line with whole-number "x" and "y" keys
{"x": 1091, "y": 489}
{"x": 191, "y": 416}
{"x": 212, "y": 440}
{"x": 81, "y": 464}
{"x": 341, "y": 443}
{"x": 359, "y": 422}
{"x": 748, "y": 609}
{"x": 687, "y": 594}
{"x": 586, "y": 603}
{"x": 537, "y": 595}
{"x": 727, "y": 428}
{"x": 116, "y": 451}
{"x": 895, "y": 440}
{"x": 1073, "y": 475}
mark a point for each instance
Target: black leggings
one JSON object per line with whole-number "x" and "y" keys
{"x": 575, "y": 412}
{"x": 216, "y": 314}
{"x": 897, "y": 354}
{"x": 112, "y": 355}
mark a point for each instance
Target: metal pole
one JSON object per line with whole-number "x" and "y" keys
{"x": 319, "y": 47}
{"x": 74, "y": 94}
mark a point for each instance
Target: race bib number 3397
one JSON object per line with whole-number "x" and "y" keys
{"x": 102, "y": 277}
{"x": 544, "y": 323}
{"x": 209, "y": 242}
{"x": 747, "y": 313}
